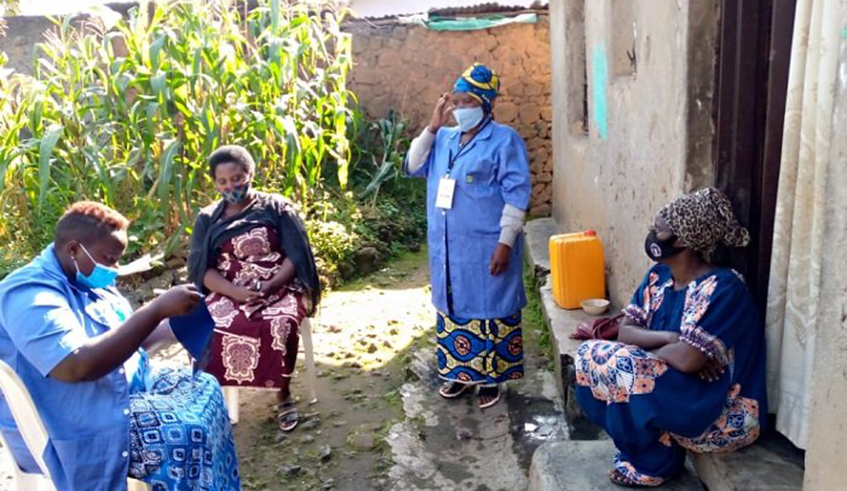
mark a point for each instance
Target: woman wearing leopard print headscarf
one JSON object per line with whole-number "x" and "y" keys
{"x": 688, "y": 368}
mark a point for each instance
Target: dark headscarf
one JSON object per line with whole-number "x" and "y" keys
{"x": 210, "y": 232}
{"x": 703, "y": 220}
{"x": 481, "y": 83}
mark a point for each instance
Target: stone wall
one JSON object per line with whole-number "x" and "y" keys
{"x": 640, "y": 75}
{"x": 19, "y": 43}
{"x": 23, "y": 33}
{"x": 406, "y": 68}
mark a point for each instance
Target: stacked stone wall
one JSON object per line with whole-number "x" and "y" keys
{"x": 406, "y": 68}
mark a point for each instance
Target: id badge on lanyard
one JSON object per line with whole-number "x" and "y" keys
{"x": 446, "y": 185}
{"x": 446, "y": 188}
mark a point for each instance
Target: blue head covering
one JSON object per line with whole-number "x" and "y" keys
{"x": 481, "y": 83}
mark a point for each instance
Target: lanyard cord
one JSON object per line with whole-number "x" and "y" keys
{"x": 452, "y": 160}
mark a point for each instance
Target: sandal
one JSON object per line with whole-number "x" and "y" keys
{"x": 287, "y": 417}
{"x": 619, "y": 478}
{"x": 452, "y": 390}
{"x": 492, "y": 392}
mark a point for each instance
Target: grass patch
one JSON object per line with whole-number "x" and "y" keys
{"x": 534, "y": 326}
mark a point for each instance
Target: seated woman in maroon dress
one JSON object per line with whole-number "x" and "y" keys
{"x": 251, "y": 256}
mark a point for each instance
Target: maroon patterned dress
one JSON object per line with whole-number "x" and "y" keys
{"x": 260, "y": 347}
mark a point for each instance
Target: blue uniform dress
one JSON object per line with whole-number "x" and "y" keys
{"x": 654, "y": 412}
{"x": 479, "y": 315}
{"x": 167, "y": 428}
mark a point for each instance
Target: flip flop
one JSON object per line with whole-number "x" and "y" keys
{"x": 287, "y": 418}
{"x": 449, "y": 390}
{"x": 486, "y": 405}
{"x": 618, "y": 478}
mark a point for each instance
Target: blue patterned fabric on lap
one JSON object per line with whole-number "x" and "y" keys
{"x": 180, "y": 434}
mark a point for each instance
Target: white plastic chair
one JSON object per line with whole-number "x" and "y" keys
{"x": 231, "y": 392}
{"x": 34, "y": 435}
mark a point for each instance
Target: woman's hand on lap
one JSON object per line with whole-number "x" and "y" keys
{"x": 245, "y": 295}
{"x": 269, "y": 287}
{"x": 712, "y": 371}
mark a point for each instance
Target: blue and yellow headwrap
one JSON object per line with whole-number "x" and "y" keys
{"x": 481, "y": 83}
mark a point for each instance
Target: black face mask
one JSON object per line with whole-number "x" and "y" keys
{"x": 660, "y": 249}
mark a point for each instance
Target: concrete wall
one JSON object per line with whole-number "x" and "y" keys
{"x": 826, "y": 454}
{"x": 406, "y": 68}
{"x": 649, "y": 66}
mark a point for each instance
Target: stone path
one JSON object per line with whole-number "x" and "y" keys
{"x": 453, "y": 445}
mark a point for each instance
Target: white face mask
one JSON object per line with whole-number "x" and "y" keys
{"x": 468, "y": 117}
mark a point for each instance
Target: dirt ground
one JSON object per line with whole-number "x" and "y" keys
{"x": 361, "y": 335}
{"x": 378, "y": 423}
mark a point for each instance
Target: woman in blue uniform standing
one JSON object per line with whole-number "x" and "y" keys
{"x": 478, "y": 190}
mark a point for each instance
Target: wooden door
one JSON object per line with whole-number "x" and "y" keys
{"x": 752, "y": 78}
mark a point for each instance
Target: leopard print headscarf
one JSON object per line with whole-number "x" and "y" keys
{"x": 703, "y": 220}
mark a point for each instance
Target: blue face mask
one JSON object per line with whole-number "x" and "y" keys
{"x": 468, "y": 117}
{"x": 237, "y": 194}
{"x": 100, "y": 277}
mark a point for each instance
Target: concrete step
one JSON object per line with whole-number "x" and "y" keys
{"x": 561, "y": 324}
{"x": 772, "y": 464}
{"x": 537, "y": 233}
{"x": 584, "y": 466}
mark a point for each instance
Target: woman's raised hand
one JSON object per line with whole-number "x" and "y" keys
{"x": 442, "y": 113}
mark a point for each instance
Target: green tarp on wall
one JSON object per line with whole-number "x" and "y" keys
{"x": 475, "y": 23}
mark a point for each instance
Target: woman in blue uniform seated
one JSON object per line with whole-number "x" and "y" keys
{"x": 478, "y": 189}
{"x": 688, "y": 368}
{"x": 74, "y": 341}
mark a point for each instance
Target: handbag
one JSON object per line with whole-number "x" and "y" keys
{"x": 603, "y": 328}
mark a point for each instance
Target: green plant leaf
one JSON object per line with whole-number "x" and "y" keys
{"x": 166, "y": 167}
{"x": 45, "y": 152}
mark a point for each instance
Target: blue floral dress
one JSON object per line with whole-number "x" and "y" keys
{"x": 654, "y": 412}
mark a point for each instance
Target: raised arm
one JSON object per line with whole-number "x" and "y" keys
{"x": 421, "y": 147}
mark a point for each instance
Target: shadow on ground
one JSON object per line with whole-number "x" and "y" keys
{"x": 379, "y": 423}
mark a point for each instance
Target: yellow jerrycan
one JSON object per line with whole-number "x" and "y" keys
{"x": 577, "y": 268}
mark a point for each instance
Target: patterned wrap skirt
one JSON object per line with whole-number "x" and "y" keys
{"x": 479, "y": 351}
{"x": 644, "y": 406}
{"x": 254, "y": 345}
